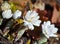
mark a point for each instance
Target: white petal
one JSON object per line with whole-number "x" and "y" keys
{"x": 45, "y": 31}
{"x": 47, "y": 36}
{"x": 36, "y": 23}
{"x": 31, "y": 26}
{"x": 53, "y": 35}
{"x": 36, "y": 18}
{"x": 55, "y": 30}
{"x": 28, "y": 14}
{"x": 52, "y": 25}
{"x": 7, "y": 14}
{"x": 31, "y": 14}
{"x": 26, "y": 23}
{"x": 47, "y": 23}
{"x": 17, "y": 14}
{"x": 34, "y": 14}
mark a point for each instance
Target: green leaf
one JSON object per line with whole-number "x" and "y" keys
{"x": 43, "y": 40}
{"x": 44, "y": 43}
{"x": 1, "y": 21}
{"x": 20, "y": 33}
{"x": 13, "y": 7}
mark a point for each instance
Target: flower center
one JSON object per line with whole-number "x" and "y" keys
{"x": 30, "y": 20}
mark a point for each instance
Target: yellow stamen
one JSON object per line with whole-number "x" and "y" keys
{"x": 19, "y": 21}
{"x": 29, "y": 41}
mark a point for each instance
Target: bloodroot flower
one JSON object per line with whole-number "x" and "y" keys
{"x": 7, "y": 14}
{"x": 31, "y": 19}
{"x": 17, "y": 14}
{"x": 49, "y": 30}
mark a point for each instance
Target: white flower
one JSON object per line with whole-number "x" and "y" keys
{"x": 49, "y": 30}
{"x": 5, "y": 6}
{"x": 17, "y": 14}
{"x": 7, "y": 14}
{"x": 31, "y": 18}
